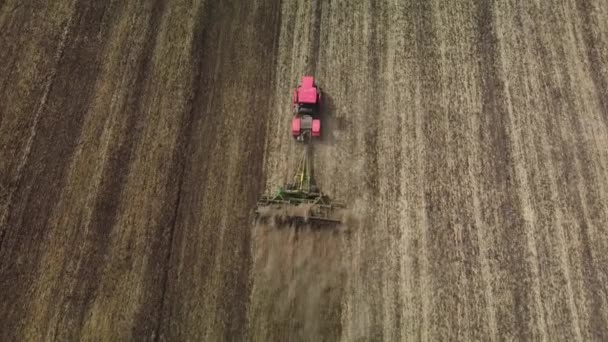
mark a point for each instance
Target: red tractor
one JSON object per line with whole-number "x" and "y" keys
{"x": 306, "y": 107}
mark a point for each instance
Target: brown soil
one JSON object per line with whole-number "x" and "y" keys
{"x": 470, "y": 140}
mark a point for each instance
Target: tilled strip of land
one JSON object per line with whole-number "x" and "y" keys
{"x": 469, "y": 140}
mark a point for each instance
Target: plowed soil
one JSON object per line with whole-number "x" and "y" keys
{"x": 469, "y": 140}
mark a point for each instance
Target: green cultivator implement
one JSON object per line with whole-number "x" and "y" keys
{"x": 300, "y": 202}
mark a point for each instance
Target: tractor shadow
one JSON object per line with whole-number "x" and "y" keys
{"x": 330, "y": 123}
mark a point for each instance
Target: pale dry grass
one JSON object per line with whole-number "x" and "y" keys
{"x": 469, "y": 140}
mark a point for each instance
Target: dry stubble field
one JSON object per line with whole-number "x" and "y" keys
{"x": 470, "y": 139}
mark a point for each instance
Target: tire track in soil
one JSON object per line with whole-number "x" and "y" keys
{"x": 371, "y": 161}
{"x": 12, "y": 39}
{"x": 252, "y": 144}
{"x": 205, "y": 125}
{"x": 201, "y": 29}
{"x": 574, "y": 201}
{"x": 12, "y": 185}
{"x": 132, "y": 280}
{"x": 593, "y": 210}
{"x": 460, "y": 93}
{"x": 388, "y": 208}
{"x": 519, "y": 314}
{"x": 598, "y": 69}
{"x": 343, "y": 164}
{"x": 29, "y": 42}
{"x": 436, "y": 164}
{"x": 411, "y": 81}
{"x": 556, "y": 280}
{"x": 43, "y": 174}
{"x": 576, "y": 195}
{"x": 312, "y": 65}
{"x": 584, "y": 195}
{"x": 11, "y": 42}
{"x": 200, "y": 171}
{"x": 545, "y": 95}
{"x": 400, "y": 101}
{"x": 210, "y": 225}
{"x": 89, "y": 262}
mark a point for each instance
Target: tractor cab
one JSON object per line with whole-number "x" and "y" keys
{"x": 307, "y": 97}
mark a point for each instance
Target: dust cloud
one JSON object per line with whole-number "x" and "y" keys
{"x": 298, "y": 276}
